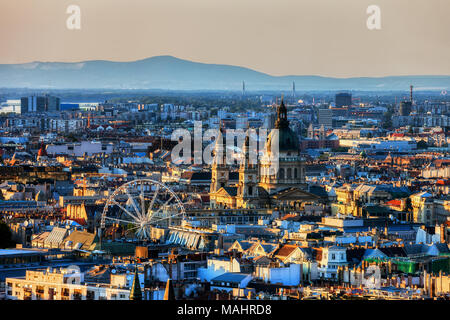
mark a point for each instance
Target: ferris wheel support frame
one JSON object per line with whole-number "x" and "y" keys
{"x": 142, "y": 218}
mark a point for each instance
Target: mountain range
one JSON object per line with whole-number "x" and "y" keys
{"x": 167, "y": 72}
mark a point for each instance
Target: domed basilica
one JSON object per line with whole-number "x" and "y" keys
{"x": 276, "y": 181}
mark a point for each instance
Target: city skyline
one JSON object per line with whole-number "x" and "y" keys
{"x": 254, "y": 154}
{"x": 171, "y": 73}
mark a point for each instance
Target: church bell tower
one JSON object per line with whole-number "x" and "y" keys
{"x": 220, "y": 171}
{"x": 248, "y": 176}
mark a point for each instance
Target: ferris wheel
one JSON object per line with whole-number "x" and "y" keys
{"x": 141, "y": 203}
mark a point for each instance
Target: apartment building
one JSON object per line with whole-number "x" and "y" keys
{"x": 64, "y": 284}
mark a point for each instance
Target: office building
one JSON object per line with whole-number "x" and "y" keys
{"x": 39, "y": 104}
{"x": 343, "y": 100}
{"x": 405, "y": 108}
{"x": 325, "y": 117}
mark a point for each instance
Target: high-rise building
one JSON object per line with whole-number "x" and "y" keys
{"x": 53, "y": 103}
{"x": 39, "y": 104}
{"x": 325, "y": 117}
{"x": 343, "y": 100}
{"x": 405, "y": 108}
{"x": 32, "y": 104}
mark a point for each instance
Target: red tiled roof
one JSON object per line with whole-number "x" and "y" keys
{"x": 186, "y": 175}
{"x": 396, "y": 134}
{"x": 395, "y": 202}
{"x": 288, "y": 216}
{"x": 286, "y": 250}
{"x": 440, "y": 162}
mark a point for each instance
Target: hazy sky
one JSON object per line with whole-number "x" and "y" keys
{"x": 280, "y": 37}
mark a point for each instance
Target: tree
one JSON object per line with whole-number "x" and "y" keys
{"x": 5, "y": 236}
{"x": 408, "y": 208}
{"x": 72, "y": 138}
{"x": 387, "y": 118}
{"x": 422, "y": 144}
{"x": 340, "y": 149}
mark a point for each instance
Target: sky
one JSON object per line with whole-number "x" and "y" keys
{"x": 279, "y": 37}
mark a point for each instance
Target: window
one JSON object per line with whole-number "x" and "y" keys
{"x": 77, "y": 295}
{"x": 65, "y": 292}
{"x": 191, "y": 274}
{"x": 281, "y": 174}
{"x": 333, "y": 256}
{"x": 9, "y": 289}
{"x": 90, "y": 295}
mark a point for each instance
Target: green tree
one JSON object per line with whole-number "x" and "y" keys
{"x": 5, "y": 236}
{"x": 387, "y": 120}
{"x": 422, "y": 144}
{"x": 408, "y": 209}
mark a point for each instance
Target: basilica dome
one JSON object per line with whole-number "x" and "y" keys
{"x": 287, "y": 139}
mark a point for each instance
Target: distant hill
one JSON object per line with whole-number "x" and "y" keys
{"x": 167, "y": 72}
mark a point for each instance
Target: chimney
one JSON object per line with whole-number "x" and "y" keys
{"x": 443, "y": 233}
